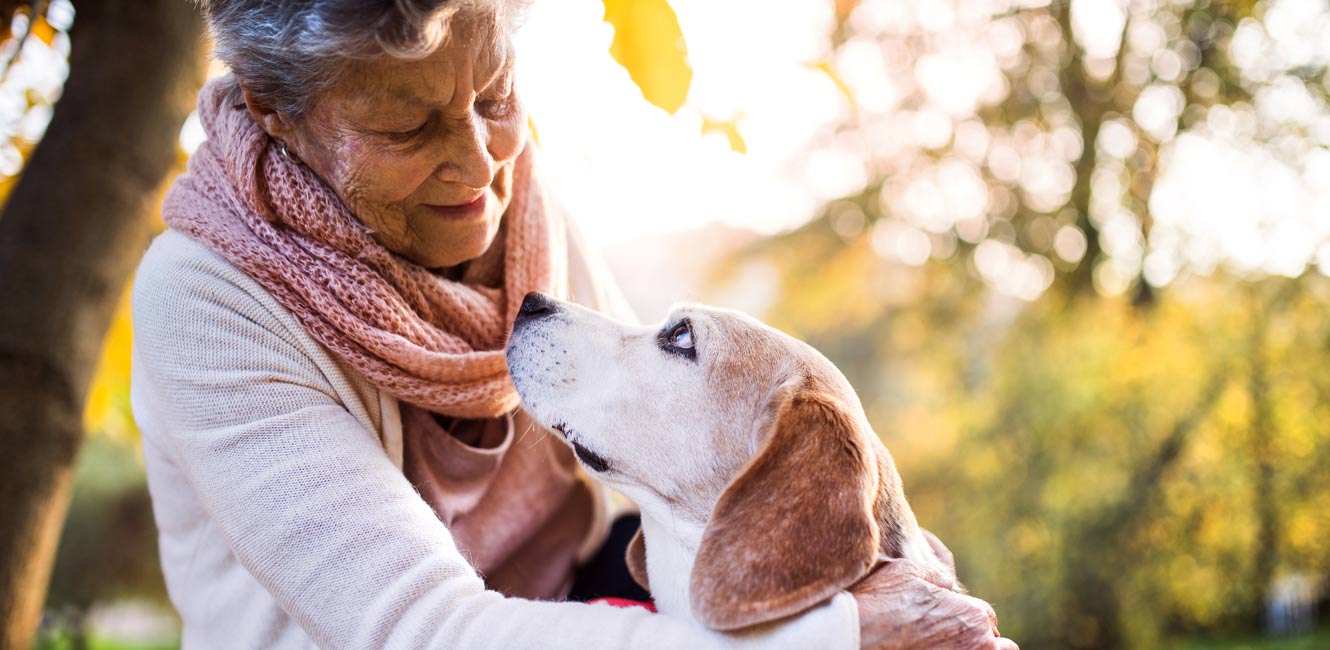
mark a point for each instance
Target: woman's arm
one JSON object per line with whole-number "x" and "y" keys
{"x": 312, "y": 507}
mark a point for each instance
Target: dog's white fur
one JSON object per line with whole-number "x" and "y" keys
{"x": 673, "y": 433}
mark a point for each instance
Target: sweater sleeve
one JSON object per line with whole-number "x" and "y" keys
{"x": 313, "y": 508}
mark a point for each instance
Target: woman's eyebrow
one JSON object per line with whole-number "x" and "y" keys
{"x": 407, "y": 96}
{"x": 502, "y": 70}
{"x": 500, "y": 76}
{"x": 373, "y": 99}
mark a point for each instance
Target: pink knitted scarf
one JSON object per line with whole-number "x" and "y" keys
{"x": 426, "y": 339}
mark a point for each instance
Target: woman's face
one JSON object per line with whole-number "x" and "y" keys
{"x": 422, "y": 151}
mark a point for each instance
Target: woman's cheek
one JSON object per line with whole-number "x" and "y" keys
{"x": 508, "y": 136}
{"x": 373, "y": 174}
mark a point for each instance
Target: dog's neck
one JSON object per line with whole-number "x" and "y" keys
{"x": 671, "y": 549}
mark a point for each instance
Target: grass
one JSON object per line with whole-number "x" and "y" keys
{"x": 1318, "y": 640}
{"x": 99, "y": 644}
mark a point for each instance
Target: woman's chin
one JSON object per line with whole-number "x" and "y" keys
{"x": 441, "y": 245}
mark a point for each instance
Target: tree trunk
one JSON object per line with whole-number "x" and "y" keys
{"x": 1088, "y": 104}
{"x": 1266, "y": 551}
{"x": 72, "y": 230}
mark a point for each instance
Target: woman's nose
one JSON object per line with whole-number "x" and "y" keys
{"x": 466, "y": 157}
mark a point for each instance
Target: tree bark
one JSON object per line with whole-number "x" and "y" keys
{"x": 73, "y": 229}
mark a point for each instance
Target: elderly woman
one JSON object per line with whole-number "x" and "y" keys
{"x": 335, "y": 452}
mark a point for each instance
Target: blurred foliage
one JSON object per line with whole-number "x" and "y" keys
{"x": 1317, "y": 641}
{"x": 65, "y": 638}
{"x": 107, "y": 411}
{"x": 1123, "y": 441}
{"x": 1027, "y": 138}
{"x": 1108, "y": 475}
{"x": 110, "y": 502}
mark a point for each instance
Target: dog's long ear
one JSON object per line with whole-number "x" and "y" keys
{"x": 636, "y": 557}
{"x": 796, "y": 526}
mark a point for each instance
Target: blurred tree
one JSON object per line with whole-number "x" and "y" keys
{"x": 108, "y": 547}
{"x": 70, "y": 233}
{"x": 1026, "y": 138}
{"x": 1114, "y": 425}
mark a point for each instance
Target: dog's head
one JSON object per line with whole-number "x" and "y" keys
{"x": 719, "y": 419}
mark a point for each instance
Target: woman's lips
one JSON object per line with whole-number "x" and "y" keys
{"x": 475, "y": 209}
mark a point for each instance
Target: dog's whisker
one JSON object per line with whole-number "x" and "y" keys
{"x": 530, "y": 425}
{"x": 535, "y": 440}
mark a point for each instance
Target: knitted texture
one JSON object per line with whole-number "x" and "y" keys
{"x": 426, "y": 339}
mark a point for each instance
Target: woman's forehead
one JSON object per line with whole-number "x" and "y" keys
{"x": 469, "y": 61}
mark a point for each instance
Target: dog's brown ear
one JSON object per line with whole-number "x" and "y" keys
{"x": 636, "y": 557}
{"x": 796, "y": 526}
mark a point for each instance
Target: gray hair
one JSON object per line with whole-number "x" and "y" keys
{"x": 286, "y": 52}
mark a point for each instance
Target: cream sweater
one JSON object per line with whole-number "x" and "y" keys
{"x": 285, "y": 520}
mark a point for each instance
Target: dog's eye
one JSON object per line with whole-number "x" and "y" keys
{"x": 682, "y": 336}
{"x": 678, "y": 340}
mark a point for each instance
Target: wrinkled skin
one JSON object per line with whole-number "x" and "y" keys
{"x": 394, "y": 137}
{"x": 902, "y": 607}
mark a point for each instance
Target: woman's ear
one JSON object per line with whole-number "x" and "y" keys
{"x": 277, "y": 125}
{"x": 797, "y": 524}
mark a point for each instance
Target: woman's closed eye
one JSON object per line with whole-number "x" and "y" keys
{"x": 490, "y": 109}
{"x": 405, "y": 135}
{"x": 496, "y": 109}
{"x": 497, "y": 101}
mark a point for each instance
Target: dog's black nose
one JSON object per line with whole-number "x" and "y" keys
{"x": 536, "y": 305}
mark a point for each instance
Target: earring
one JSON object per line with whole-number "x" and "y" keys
{"x": 288, "y": 155}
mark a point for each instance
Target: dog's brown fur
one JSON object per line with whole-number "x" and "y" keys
{"x": 806, "y": 517}
{"x": 794, "y": 498}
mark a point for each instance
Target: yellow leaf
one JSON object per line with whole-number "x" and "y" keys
{"x": 107, "y": 409}
{"x": 844, "y": 8}
{"x": 531, "y": 128}
{"x": 43, "y": 30}
{"x": 825, "y": 68}
{"x": 649, "y": 44}
{"x": 729, "y": 128}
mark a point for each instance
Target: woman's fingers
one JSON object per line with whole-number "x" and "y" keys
{"x": 983, "y": 606}
{"x": 900, "y": 608}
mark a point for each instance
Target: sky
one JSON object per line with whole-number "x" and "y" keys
{"x": 627, "y": 170}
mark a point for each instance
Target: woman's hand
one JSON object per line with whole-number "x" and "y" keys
{"x": 902, "y": 607}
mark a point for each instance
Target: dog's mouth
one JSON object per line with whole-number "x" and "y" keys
{"x": 593, "y": 461}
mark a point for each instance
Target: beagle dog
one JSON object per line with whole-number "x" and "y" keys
{"x": 762, "y": 487}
